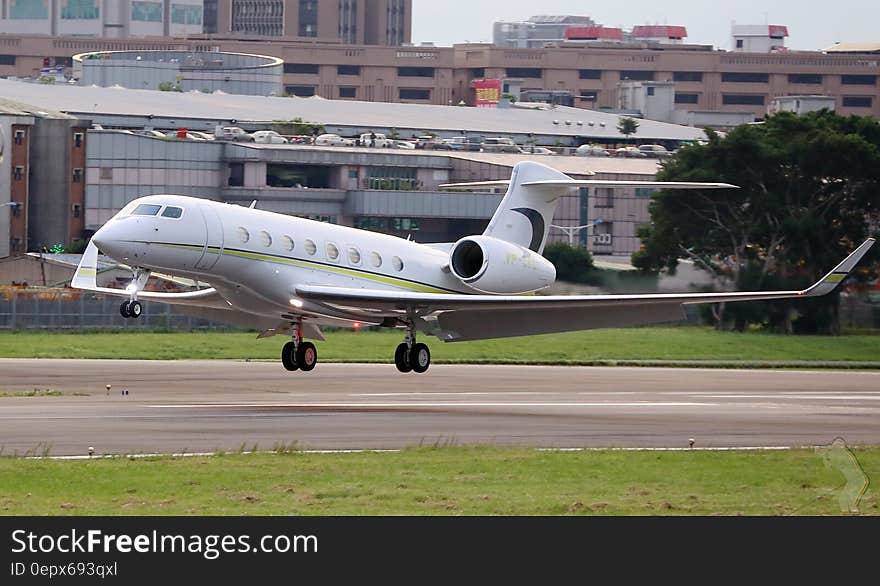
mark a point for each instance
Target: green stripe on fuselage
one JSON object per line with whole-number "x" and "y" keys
{"x": 348, "y": 272}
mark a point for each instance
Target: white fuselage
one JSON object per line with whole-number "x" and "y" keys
{"x": 255, "y": 259}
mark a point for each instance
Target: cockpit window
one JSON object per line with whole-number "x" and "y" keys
{"x": 172, "y": 212}
{"x": 146, "y": 209}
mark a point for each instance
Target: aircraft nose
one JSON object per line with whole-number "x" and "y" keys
{"x": 110, "y": 239}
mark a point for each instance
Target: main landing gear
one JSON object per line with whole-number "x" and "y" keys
{"x": 299, "y": 355}
{"x": 411, "y": 356}
{"x": 131, "y": 309}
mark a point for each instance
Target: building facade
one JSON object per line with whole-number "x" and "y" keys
{"x": 102, "y": 18}
{"x": 704, "y": 79}
{"x": 536, "y": 31}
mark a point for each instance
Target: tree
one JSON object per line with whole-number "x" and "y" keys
{"x": 573, "y": 264}
{"x": 808, "y": 190}
{"x": 627, "y": 126}
{"x": 297, "y": 127}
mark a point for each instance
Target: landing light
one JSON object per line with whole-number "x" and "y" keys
{"x": 297, "y": 303}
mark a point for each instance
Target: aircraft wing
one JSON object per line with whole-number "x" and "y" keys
{"x": 86, "y": 275}
{"x": 475, "y": 317}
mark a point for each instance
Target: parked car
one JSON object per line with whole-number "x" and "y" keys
{"x": 589, "y": 150}
{"x": 657, "y": 151}
{"x": 499, "y": 145}
{"x": 202, "y": 135}
{"x": 234, "y": 133}
{"x": 456, "y": 143}
{"x": 189, "y": 136}
{"x": 268, "y": 137}
{"x": 630, "y": 152}
{"x": 149, "y": 133}
{"x": 405, "y": 145}
{"x": 375, "y": 139}
{"x": 432, "y": 143}
{"x": 333, "y": 140}
{"x": 536, "y": 150}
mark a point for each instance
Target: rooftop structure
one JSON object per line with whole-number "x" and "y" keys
{"x": 761, "y": 38}
{"x": 536, "y": 31}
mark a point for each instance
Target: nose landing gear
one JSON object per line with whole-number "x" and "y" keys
{"x": 411, "y": 356}
{"x": 132, "y": 309}
{"x": 299, "y": 355}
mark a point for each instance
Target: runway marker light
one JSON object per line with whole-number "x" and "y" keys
{"x": 108, "y": 389}
{"x": 692, "y": 441}
{"x": 91, "y": 451}
{"x": 356, "y": 325}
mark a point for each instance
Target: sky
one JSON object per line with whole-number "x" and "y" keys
{"x": 811, "y": 24}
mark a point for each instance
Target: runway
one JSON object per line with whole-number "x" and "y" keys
{"x": 174, "y": 407}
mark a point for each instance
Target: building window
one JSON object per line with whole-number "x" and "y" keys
{"x": 604, "y": 197}
{"x": 414, "y": 94}
{"x": 805, "y": 78}
{"x": 348, "y": 92}
{"x": 236, "y": 174}
{"x": 392, "y": 179}
{"x": 186, "y": 14}
{"x": 739, "y": 44}
{"x": 77, "y": 175}
{"x": 28, "y": 9}
{"x": 590, "y": 74}
{"x": 858, "y": 102}
{"x": 687, "y": 98}
{"x": 415, "y": 72}
{"x": 637, "y": 75}
{"x": 652, "y": 90}
{"x": 106, "y": 173}
{"x": 146, "y": 11}
{"x": 19, "y": 135}
{"x": 590, "y": 95}
{"x": 308, "y": 18}
{"x": 81, "y": 10}
{"x": 405, "y": 224}
{"x": 744, "y": 77}
{"x": 78, "y": 139}
{"x": 477, "y": 72}
{"x": 348, "y": 69}
{"x": 300, "y": 91}
{"x": 76, "y": 210}
{"x": 687, "y": 76}
{"x": 7, "y": 59}
{"x": 742, "y": 100}
{"x": 858, "y": 79}
{"x": 303, "y": 68}
{"x": 18, "y": 172}
{"x": 527, "y": 72}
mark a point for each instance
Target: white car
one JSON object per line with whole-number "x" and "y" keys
{"x": 405, "y": 145}
{"x": 189, "y": 136}
{"x": 530, "y": 150}
{"x": 233, "y": 133}
{"x": 333, "y": 140}
{"x": 149, "y": 133}
{"x": 201, "y": 135}
{"x": 268, "y": 137}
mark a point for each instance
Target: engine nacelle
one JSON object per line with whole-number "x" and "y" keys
{"x": 495, "y": 266}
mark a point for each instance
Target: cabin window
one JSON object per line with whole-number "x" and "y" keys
{"x": 354, "y": 256}
{"x": 311, "y": 249}
{"x": 173, "y": 213}
{"x": 265, "y": 239}
{"x": 288, "y": 243}
{"x": 332, "y": 251}
{"x": 146, "y": 209}
{"x": 397, "y": 263}
{"x": 243, "y": 234}
{"x": 376, "y": 260}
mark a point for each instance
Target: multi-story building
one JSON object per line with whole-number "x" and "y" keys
{"x": 102, "y": 18}
{"x": 353, "y": 22}
{"x": 536, "y": 31}
{"x": 705, "y": 79}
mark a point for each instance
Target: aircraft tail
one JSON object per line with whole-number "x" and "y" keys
{"x": 526, "y": 212}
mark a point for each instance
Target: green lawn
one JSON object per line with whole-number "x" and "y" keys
{"x": 446, "y": 481}
{"x": 682, "y": 343}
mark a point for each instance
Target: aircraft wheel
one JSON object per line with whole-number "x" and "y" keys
{"x": 420, "y": 358}
{"x": 124, "y": 310}
{"x": 288, "y": 357}
{"x": 135, "y": 309}
{"x": 307, "y": 356}
{"x": 402, "y": 359}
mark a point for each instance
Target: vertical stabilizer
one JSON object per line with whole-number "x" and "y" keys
{"x": 526, "y": 213}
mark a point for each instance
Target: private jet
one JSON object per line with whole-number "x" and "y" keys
{"x": 284, "y": 275}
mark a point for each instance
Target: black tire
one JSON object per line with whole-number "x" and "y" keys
{"x": 420, "y": 358}
{"x": 401, "y": 359}
{"x": 124, "y": 311}
{"x": 135, "y": 310}
{"x": 288, "y": 357}
{"x": 307, "y": 356}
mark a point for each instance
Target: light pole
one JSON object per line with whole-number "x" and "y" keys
{"x": 572, "y": 231}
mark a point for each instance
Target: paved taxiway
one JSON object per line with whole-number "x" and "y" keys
{"x": 204, "y": 406}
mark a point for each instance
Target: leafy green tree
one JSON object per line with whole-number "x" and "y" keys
{"x": 573, "y": 264}
{"x": 808, "y": 193}
{"x": 627, "y": 126}
{"x": 297, "y": 127}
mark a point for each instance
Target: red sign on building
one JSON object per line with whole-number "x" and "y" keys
{"x": 488, "y": 92}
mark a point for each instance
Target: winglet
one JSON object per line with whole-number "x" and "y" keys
{"x": 833, "y": 279}
{"x": 86, "y": 276}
